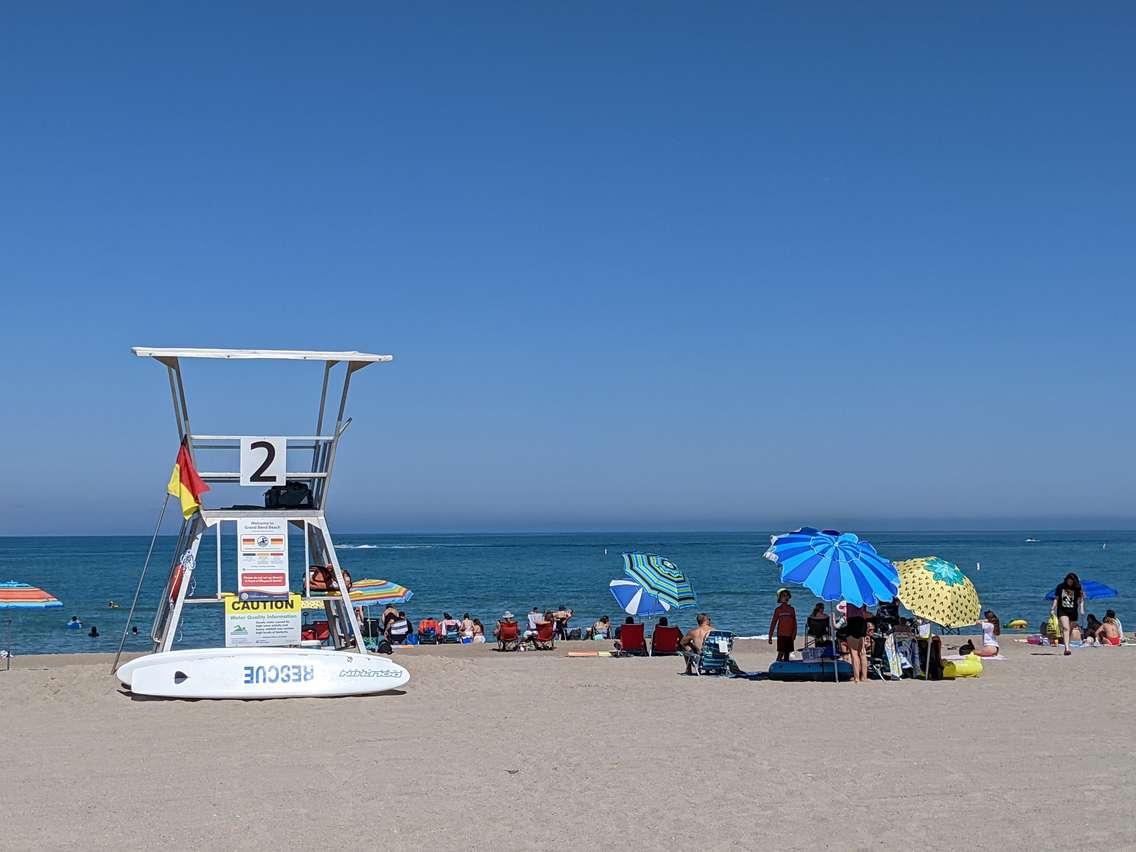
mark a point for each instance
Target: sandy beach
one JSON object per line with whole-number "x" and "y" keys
{"x": 525, "y": 750}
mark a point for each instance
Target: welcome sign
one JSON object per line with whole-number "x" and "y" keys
{"x": 262, "y": 556}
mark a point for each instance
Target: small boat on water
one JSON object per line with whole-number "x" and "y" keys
{"x": 264, "y": 654}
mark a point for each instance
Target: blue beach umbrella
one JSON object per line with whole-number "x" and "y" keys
{"x": 661, "y": 577}
{"x": 834, "y": 566}
{"x": 1092, "y": 591}
{"x": 635, "y": 600}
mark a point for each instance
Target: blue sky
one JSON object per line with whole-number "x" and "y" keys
{"x": 641, "y": 265}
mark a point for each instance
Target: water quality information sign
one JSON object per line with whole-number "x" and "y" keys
{"x": 262, "y": 556}
{"x": 258, "y": 623}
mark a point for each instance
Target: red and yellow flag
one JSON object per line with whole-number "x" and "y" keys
{"x": 185, "y": 484}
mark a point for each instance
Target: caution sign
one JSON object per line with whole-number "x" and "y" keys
{"x": 262, "y": 622}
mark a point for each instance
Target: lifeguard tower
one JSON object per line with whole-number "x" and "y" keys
{"x": 264, "y": 656}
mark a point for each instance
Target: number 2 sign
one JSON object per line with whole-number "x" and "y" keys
{"x": 263, "y": 461}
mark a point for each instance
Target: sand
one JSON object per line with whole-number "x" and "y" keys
{"x": 537, "y": 750}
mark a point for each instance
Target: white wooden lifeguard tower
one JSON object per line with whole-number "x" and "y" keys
{"x": 268, "y": 669}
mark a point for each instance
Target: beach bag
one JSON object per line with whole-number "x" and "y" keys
{"x": 1052, "y": 627}
{"x": 290, "y": 495}
{"x": 321, "y": 578}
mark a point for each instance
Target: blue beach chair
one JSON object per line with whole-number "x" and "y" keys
{"x": 715, "y": 656}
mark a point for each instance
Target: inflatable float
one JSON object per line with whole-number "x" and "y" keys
{"x": 969, "y": 666}
{"x": 803, "y": 670}
{"x": 1018, "y": 624}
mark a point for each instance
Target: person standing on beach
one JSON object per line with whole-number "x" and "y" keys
{"x": 857, "y": 628}
{"x": 1068, "y": 606}
{"x": 560, "y": 619}
{"x": 783, "y": 625}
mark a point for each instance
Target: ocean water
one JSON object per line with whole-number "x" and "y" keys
{"x": 486, "y": 574}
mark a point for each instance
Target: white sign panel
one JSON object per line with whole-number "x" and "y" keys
{"x": 263, "y": 461}
{"x": 262, "y": 623}
{"x": 262, "y": 555}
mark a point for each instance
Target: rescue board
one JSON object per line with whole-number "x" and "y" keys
{"x": 257, "y": 673}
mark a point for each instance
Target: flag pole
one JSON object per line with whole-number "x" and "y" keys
{"x": 138, "y": 589}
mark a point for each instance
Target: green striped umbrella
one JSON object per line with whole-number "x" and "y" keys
{"x": 661, "y": 577}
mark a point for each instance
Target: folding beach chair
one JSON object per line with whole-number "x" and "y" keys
{"x": 715, "y": 656}
{"x": 452, "y": 635}
{"x": 508, "y": 636}
{"x": 544, "y": 638}
{"x": 632, "y": 640}
{"x": 818, "y": 631}
{"x": 664, "y": 641}
{"x": 428, "y": 631}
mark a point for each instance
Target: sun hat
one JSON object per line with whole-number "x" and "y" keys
{"x": 507, "y": 614}
{"x": 783, "y": 589}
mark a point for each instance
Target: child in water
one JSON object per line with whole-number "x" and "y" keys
{"x": 783, "y": 625}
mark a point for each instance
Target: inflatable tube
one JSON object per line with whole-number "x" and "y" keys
{"x": 971, "y": 666}
{"x": 1018, "y": 624}
{"x": 802, "y": 670}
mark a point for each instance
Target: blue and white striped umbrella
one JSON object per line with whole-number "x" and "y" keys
{"x": 635, "y": 600}
{"x": 661, "y": 577}
{"x": 834, "y": 566}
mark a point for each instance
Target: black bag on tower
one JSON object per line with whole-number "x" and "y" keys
{"x": 290, "y": 495}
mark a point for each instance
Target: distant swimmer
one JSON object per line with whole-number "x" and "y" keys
{"x": 75, "y": 623}
{"x": 94, "y": 634}
{"x": 134, "y": 630}
{"x": 112, "y": 605}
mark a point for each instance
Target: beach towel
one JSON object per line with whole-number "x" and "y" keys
{"x": 957, "y": 657}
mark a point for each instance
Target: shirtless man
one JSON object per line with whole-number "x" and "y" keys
{"x": 691, "y": 643}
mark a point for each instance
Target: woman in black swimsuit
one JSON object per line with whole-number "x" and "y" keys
{"x": 857, "y": 627}
{"x": 1068, "y": 606}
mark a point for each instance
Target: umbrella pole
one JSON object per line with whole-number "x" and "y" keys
{"x": 8, "y": 642}
{"x": 835, "y": 656}
{"x": 138, "y": 588}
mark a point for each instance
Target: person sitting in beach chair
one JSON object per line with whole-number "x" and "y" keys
{"x": 631, "y": 640}
{"x": 702, "y": 648}
{"x": 508, "y": 633}
{"x": 601, "y": 629}
{"x": 818, "y": 629}
{"x": 428, "y": 630}
{"x": 543, "y": 638}
{"x": 536, "y": 617}
{"x": 665, "y": 639}
{"x": 1110, "y": 631}
{"x": 398, "y": 629}
{"x": 449, "y": 629}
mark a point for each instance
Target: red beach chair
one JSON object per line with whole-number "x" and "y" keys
{"x": 631, "y": 639}
{"x": 664, "y": 641}
{"x": 544, "y": 638}
{"x": 508, "y": 636}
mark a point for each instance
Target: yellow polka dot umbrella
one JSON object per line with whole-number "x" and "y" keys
{"x": 937, "y": 591}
